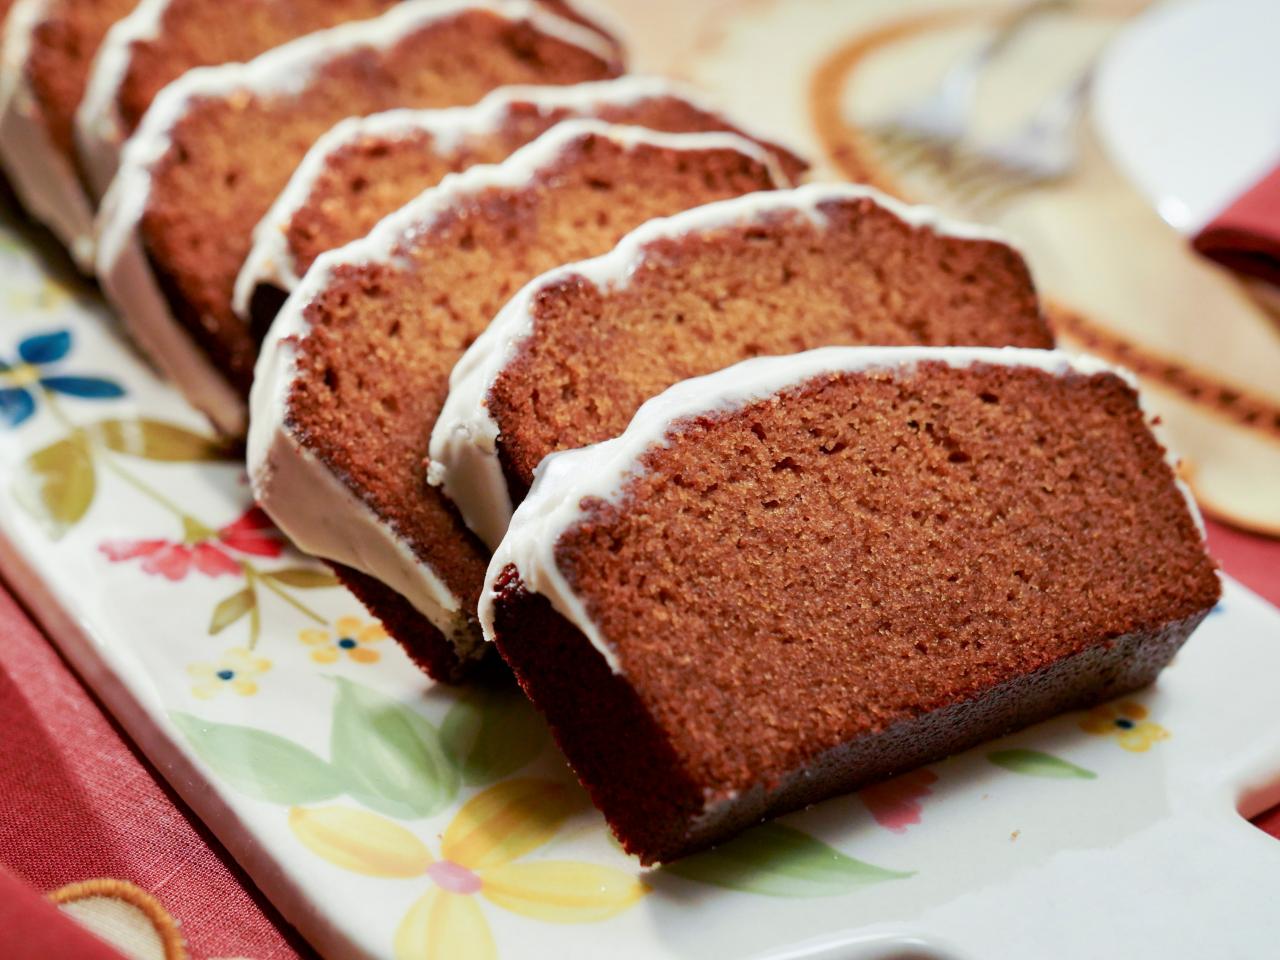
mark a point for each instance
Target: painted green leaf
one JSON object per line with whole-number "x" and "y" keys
{"x": 491, "y": 733}
{"x": 232, "y": 609}
{"x": 1033, "y": 763}
{"x": 779, "y": 861}
{"x": 260, "y": 764}
{"x": 390, "y": 758}
{"x": 303, "y": 578}
{"x": 157, "y": 440}
{"x": 56, "y": 484}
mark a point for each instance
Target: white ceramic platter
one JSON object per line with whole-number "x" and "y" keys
{"x": 387, "y": 817}
{"x": 1186, "y": 100}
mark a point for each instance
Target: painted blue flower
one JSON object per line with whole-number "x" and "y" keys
{"x": 18, "y": 402}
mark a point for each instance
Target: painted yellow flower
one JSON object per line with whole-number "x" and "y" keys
{"x": 480, "y": 854}
{"x": 350, "y": 636}
{"x": 238, "y": 670}
{"x": 1125, "y": 721}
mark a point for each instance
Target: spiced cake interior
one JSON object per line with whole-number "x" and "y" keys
{"x": 872, "y": 562}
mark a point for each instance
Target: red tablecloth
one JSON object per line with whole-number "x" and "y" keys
{"x": 77, "y": 802}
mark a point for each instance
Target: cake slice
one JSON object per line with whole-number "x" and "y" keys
{"x": 571, "y": 358}
{"x": 366, "y": 167}
{"x": 48, "y": 49}
{"x": 802, "y": 574}
{"x": 163, "y": 39}
{"x": 356, "y": 365}
{"x": 219, "y": 143}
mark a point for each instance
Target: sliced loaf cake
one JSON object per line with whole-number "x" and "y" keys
{"x": 217, "y": 146}
{"x": 356, "y": 366}
{"x": 48, "y": 51}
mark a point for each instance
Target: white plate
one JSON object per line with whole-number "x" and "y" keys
{"x": 1187, "y": 101}
{"x": 342, "y": 782}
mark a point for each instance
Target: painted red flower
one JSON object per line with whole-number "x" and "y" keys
{"x": 250, "y": 533}
{"x": 896, "y": 803}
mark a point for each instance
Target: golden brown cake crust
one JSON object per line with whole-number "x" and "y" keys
{"x": 231, "y": 155}
{"x": 373, "y": 368}
{"x": 63, "y": 45}
{"x": 782, "y": 583}
{"x": 706, "y": 300}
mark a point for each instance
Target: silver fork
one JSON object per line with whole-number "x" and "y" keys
{"x": 1041, "y": 151}
{"x": 940, "y": 119}
{"x": 927, "y": 136}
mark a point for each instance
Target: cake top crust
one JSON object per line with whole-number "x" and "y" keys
{"x": 568, "y": 485}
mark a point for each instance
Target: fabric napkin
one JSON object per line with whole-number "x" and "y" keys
{"x": 1245, "y": 237}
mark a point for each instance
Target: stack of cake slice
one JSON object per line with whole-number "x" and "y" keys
{"x": 784, "y": 488}
{"x": 356, "y": 366}
{"x": 218, "y": 145}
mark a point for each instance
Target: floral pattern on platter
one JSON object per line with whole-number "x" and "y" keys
{"x": 237, "y": 670}
{"x": 1126, "y": 722}
{"x": 22, "y": 382}
{"x": 368, "y": 805}
{"x": 350, "y": 637}
{"x": 203, "y": 550}
{"x": 483, "y": 854}
{"x": 896, "y": 804}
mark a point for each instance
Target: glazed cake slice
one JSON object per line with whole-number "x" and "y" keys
{"x": 48, "y": 49}
{"x": 366, "y": 167}
{"x": 575, "y": 353}
{"x": 217, "y": 146}
{"x": 163, "y": 39}
{"x": 802, "y": 574}
{"x": 356, "y": 366}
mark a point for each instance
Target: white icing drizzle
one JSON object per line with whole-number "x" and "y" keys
{"x": 563, "y": 480}
{"x": 272, "y": 263}
{"x": 326, "y": 517}
{"x": 42, "y": 176}
{"x": 100, "y": 131}
{"x": 121, "y": 264}
{"x": 464, "y": 443}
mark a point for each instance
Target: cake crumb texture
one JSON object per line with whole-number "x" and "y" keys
{"x": 853, "y": 577}
{"x": 368, "y": 178}
{"x": 705, "y": 300}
